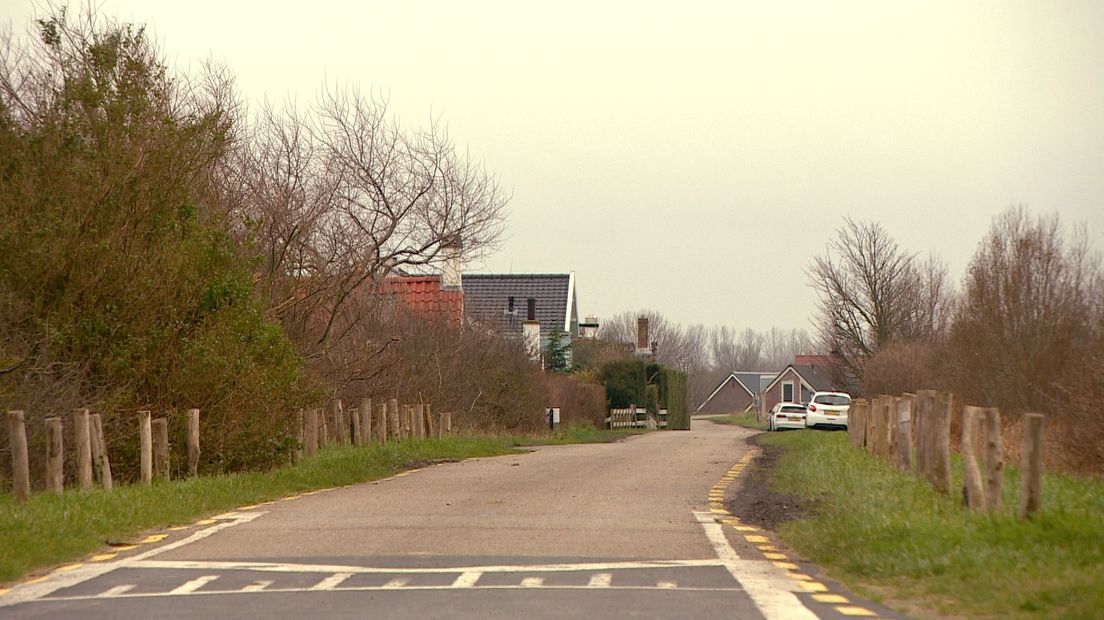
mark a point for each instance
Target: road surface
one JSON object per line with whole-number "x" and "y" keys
{"x": 634, "y": 529}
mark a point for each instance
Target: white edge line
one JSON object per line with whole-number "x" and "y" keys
{"x": 770, "y": 589}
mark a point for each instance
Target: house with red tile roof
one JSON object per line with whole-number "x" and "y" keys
{"x": 423, "y": 296}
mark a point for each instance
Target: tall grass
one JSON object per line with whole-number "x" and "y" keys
{"x": 893, "y": 538}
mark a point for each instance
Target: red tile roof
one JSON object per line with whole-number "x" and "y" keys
{"x": 423, "y": 296}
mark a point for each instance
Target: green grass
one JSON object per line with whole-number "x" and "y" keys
{"x": 746, "y": 420}
{"x": 580, "y": 434}
{"x": 892, "y": 538}
{"x": 51, "y": 529}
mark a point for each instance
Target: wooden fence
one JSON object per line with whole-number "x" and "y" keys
{"x": 914, "y": 432}
{"x": 315, "y": 428}
{"x": 636, "y": 417}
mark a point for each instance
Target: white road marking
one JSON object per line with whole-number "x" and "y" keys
{"x": 33, "y": 591}
{"x": 532, "y": 582}
{"x": 600, "y": 580}
{"x": 257, "y": 586}
{"x": 666, "y": 585}
{"x": 194, "y": 584}
{"x": 279, "y": 567}
{"x": 117, "y": 590}
{"x": 331, "y": 582}
{"x": 467, "y": 580}
{"x": 768, "y": 587}
{"x": 390, "y": 586}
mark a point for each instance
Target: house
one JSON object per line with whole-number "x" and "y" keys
{"x": 797, "y": 382}
{"x": 737, "y": 392}
{"x": 502, "y": 302}
{"x": 423, "y": 296}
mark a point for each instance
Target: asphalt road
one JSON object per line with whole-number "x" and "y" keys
{"x": 626, "y": 530}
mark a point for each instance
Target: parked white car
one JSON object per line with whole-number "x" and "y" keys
{"x": 786, "y": 415}
{"x": 828, "y": 410}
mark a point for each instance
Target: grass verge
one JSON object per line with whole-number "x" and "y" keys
{"x": 746, "y": 420}
{"x": 892, "y": 538}
{"x": 50, "y": 529}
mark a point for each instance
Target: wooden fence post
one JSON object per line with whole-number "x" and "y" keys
{"x": 145, "y": 441}
{"x": 323, "y": 429}
{"x": 193, "y": 442}
{"x": 21, "y": 469}
{"x": 994, "y": 459}
{"x": 407, "y": 422}
{"x": 430, "y": 427}
{"x": 381, "y": 422}
{"x": 340, "y": 430}
{"x": 419, "y": 420}
{"x": 55, "y": 456}
{"x": 444, "y": 424}
{"x": 1031, "y": 466}
{"x": 82, "y": 440}
{"x": 974, "y": 490}
{"x": 393, "y": 424}
{"x": 160, "y": 431}
{"x": 365, "y": 413}
{"x": 356, "y": 436}
{"x": 904, "y": 433}
{"x": 99, "y": 452}
{"x": 941, "y": 440}
{"x": 300, "y": 436}
{"x": 869, "y": 418}
{"x": 925, "y": 404}
{"x": 310, "y": 445}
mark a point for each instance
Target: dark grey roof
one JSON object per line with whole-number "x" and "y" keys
{"x": 755, "y": 381}
{"x": 823, "y": 378}
{"x": 486, "y": 300}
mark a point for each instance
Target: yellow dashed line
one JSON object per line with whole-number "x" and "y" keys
{"x": 177, "y": 528}
{"x": 812, "y": 586}
{"x": 756, "y": 539}
{"x": 103, "y": 557}
{"x": 121, "y": 548}
{"x": 4, "y": 591}
{"x": 829, "y": 598}
{"x": 152, "y": 538}
{"x": 205, "y": 522}
{"x": 746, "y": 528}
{"x": 37, "y": 580}
{"x": 855, "y": 611}
{"x": 801, "y": 577}
{"x": 67, "y": 567}
{"x": 770, "y": 548}
{"x": 786, "y": 565}
{"x": 774, "y": 556}
{"x": 249, "y": 507}
{"x": 288, "y": 499}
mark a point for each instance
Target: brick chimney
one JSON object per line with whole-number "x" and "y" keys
{"x": 643, "y": 344}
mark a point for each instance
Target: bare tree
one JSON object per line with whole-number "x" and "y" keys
{"x": 870, "y": 292}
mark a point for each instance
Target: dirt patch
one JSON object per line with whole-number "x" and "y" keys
{"x": 755, "y": 502}
{"x": 426, "y": 463}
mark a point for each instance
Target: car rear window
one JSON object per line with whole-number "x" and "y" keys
{"x": 832, "y": 399}
{"x": 793, "y": 409}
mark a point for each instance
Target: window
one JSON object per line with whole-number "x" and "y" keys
{"x": 788, "y": 392}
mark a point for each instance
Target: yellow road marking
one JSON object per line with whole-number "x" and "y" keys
{"x": 67, "y": 568}
{"x": 37, "y": 580}
{"x": 801, "y": 577}
{"x": 4, "y": 591}
{"x": 770, "y": 548}
{"x": 152, "y": 538}
{"x": 720, "y": 511}
{"x": 205, "y": 522}
{"x": 756, "y": 539}
{"x": 288, "y": 499}
{"x": 829, "y": 598}
{"x": 786, "y": 565}
{"x": 774, "y": 556}
{"x": 249, "y": 507}
{"x": 103, "y": 557}
{"x": 122, "y": 548}
{"x": 812, "y": 586}
{"x": 177, "y": 528}
{"x": 855, "y": 611}
{"x": 746, "y": 528}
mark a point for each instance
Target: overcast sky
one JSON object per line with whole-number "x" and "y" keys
{"x": 693, "y": 157}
